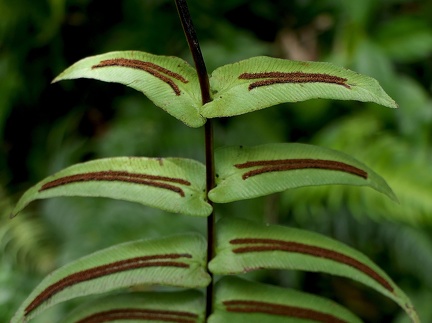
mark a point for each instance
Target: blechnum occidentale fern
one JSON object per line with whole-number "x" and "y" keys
{"x": 185, "y": 186}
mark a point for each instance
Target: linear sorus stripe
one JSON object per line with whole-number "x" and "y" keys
{"x": 165, "y": 71}
{"x": 271, "y": 78}
{"x": 263, "y": 75}
{"x": 151, "y": 180}
{"x": 247, "y": 306}
{"x": 135, "y": 175}
{"x": 148, "y": 67}
{"x": 262, "y": 245}
{"x": 108, "y": 269}
{"x": 125, "y": 62}
{"x": 141, "y": 314}
{"x": 292, "y": 164}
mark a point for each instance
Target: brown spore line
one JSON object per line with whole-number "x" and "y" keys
{"x": 249, "y": 306}
{"x": 263, "y": 245}
{"x": 122, "y": 176}
{"x": 140, "y": 314}
{"x": 278, "y": 165}
{"x": 271, "y": 78}
{"x": 157, "y": 71}
{"x": 163, "y": 260}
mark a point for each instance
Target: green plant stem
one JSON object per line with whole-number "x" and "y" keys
{"x": 203, "y": 78}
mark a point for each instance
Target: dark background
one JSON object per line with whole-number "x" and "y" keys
{"x": 46, "y": 127}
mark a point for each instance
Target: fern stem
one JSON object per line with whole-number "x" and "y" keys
{"x": 203, "y": 78}
{"x": 195, "y": 49}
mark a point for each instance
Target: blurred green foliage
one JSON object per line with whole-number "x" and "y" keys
{"x": 47, "y": 127}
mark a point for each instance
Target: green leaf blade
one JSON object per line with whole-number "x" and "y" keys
{"x": 243, "y": 246}
{"x": 261, "y": 82}
{"x": 170, "y": 82}
{"x": 249, "y": 172}
{"x": 150, "y": 306}
{"x": 238, "y": 300}
{"x": 171, "y": 184}
{"x": 178, "y": 261}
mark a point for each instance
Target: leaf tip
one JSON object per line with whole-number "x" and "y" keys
{"x": 389, "y": 102}
{"x": 391, "y": 194}
{"x": 57, "y": 78}
{"x": 15, "y": 212}
{"x": 394, "y": 198}
{"x": 393, "y": 105}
